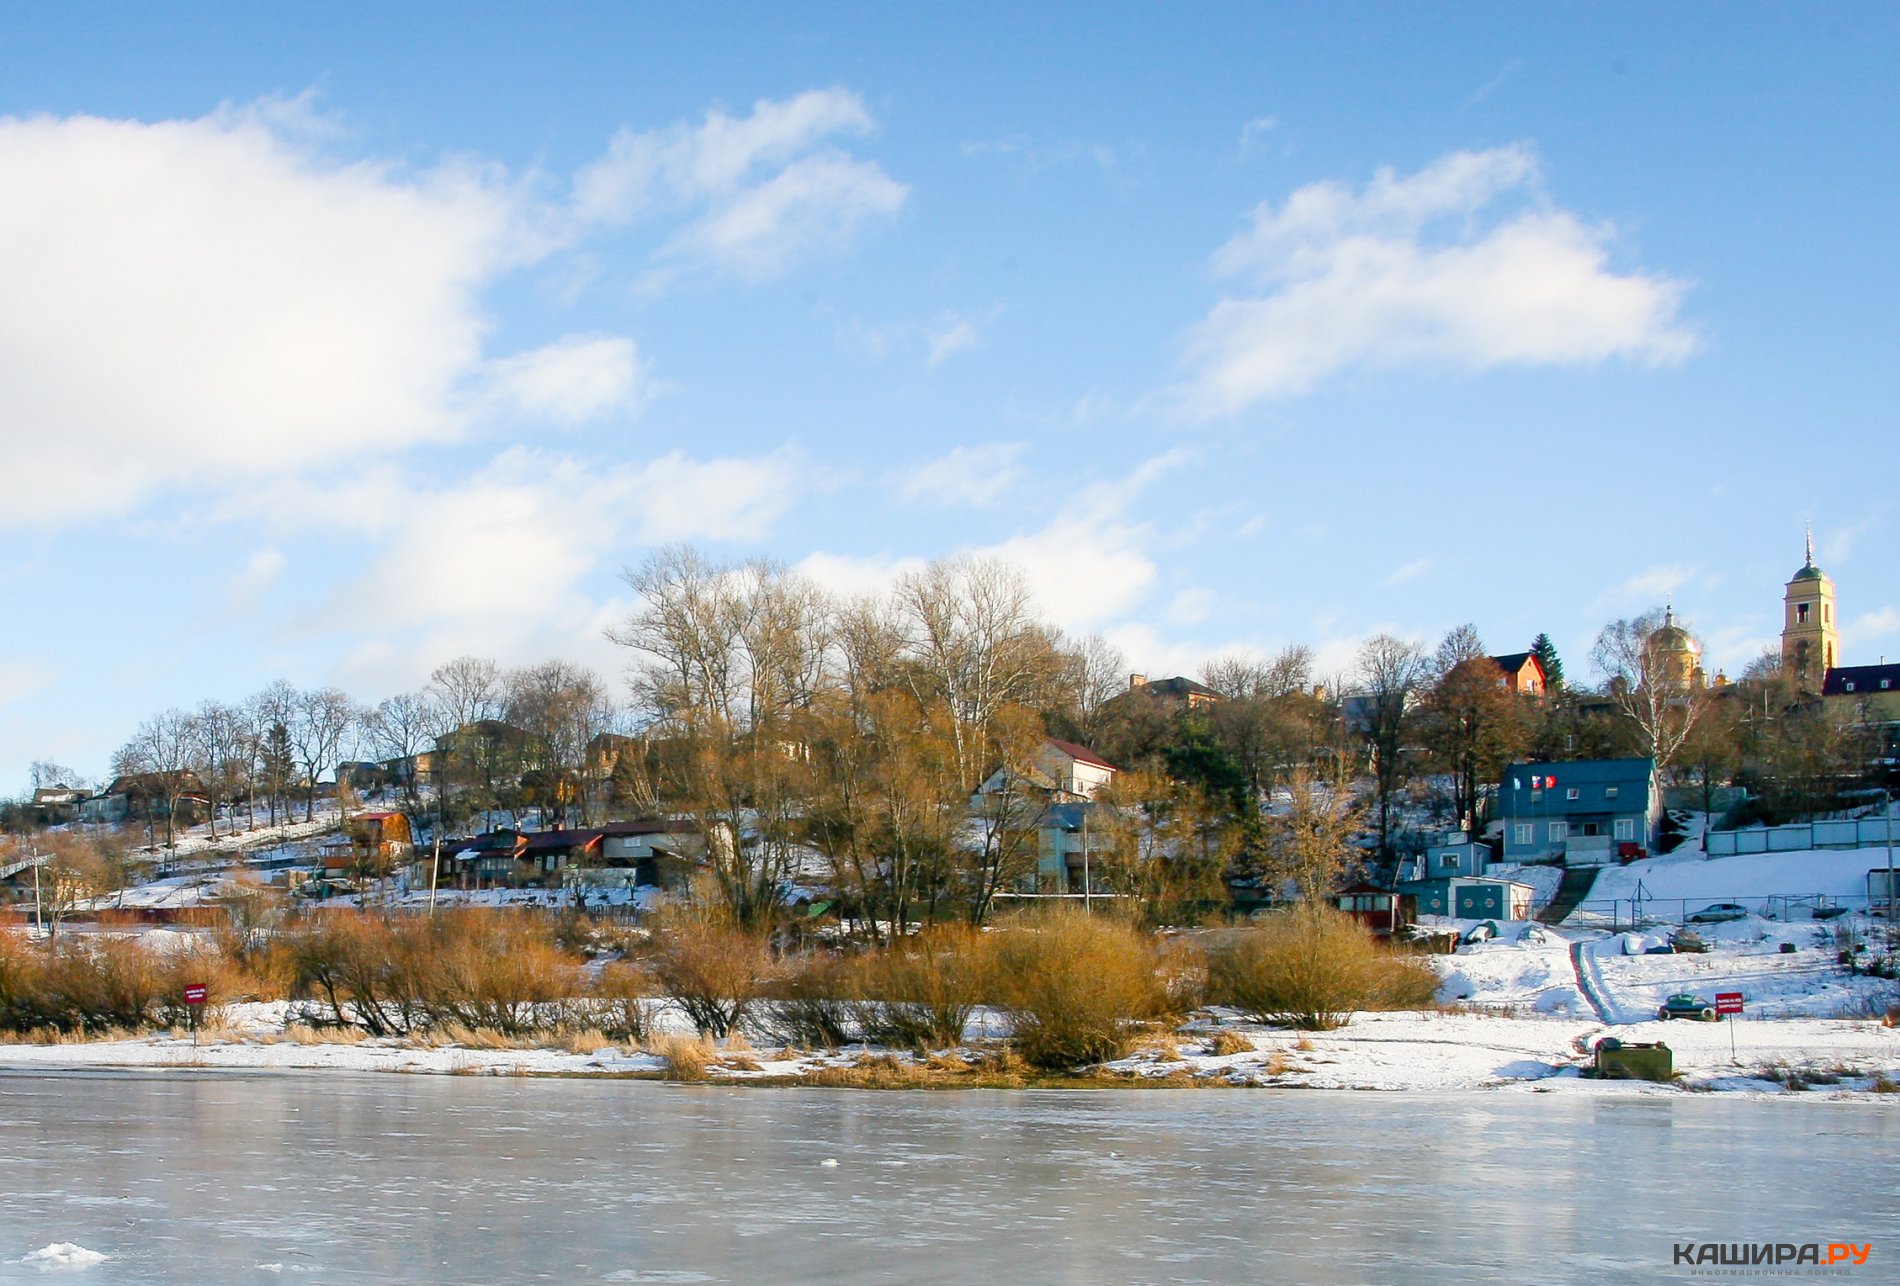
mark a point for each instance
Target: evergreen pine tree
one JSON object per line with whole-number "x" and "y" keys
{"x": 1546, "y": 653}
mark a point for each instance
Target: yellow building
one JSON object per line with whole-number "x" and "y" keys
{"x": 1810, "y": 640}
{"x": 1675, "y": 656}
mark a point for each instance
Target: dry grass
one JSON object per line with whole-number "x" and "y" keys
{"x": 687, "y": 1057}
{"x": 1162, "y": 1045}
{"x": 1305, "y": 1045}
{"x": 474, "y": 1038}
{"x": 305, "y": 1034}
{"x": 1884, "y": 1084}
{"x": 56, "y": 1036}
{"x": 1277, "y": 1064}
{"x": 1225, "y": 1043}
{"x": 740, "y": 1063}
{"x": 590, "y": 1041}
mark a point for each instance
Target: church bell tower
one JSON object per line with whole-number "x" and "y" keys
{"x": 1809, "y": 637}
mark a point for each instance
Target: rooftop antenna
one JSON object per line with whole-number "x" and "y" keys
{"x": 1810, "y": 527}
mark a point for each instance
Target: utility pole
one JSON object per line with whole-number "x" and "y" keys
{"x": 1892, "y": 935}
{"x": 1088, "y": 889}
{"x": 39, "y": 916}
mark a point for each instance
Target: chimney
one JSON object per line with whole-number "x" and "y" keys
{"x": 1137, "y": 681}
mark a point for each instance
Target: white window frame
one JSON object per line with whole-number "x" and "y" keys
{"x": 1573, "y": 792}
{"x": 1526, "y": 833}
{"x": 1625, "y": 829}
{"x": 1559, "y": 832}
{"x": 1609, "y": 792}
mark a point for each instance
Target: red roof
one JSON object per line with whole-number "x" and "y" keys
{"x": 1082, "y": 754}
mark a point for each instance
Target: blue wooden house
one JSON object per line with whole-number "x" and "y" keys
{"x": 1586, "y": 812}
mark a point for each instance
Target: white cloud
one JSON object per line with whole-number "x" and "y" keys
{"x": 1148, "y": 653}
{"x": 205, "y": 298}
{"x": 852, "y": 577}
{"x": 22, "y": 679}
{"x": 1411, "y": 272}
{"x": 765, "y": 188}
{"x": 495, "y": 563}
{"x": 973, "y": 475}
{"x": 262, "y": 570}
{"x": 1410, "y": 571}
{"x": 1645, "y": 587}
{"x": 1875, "y": 625}
{"x": 224, "y": 302}
{"x": 575, "y": 379}
{"x": 1191, "y": 606}
{"x": 1256, "y": 130}
{"x": 1091, "y": 564}
{"x": 952, "y": 336}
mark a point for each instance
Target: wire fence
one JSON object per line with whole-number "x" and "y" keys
{"x": 1619, "y": 914}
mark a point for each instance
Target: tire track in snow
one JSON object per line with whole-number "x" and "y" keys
{"x": 1589, "y": 986}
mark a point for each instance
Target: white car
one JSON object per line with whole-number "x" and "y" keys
{"x": 1718, "y": 913}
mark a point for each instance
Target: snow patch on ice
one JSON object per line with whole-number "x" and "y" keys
{"x": 61, "y": 1256}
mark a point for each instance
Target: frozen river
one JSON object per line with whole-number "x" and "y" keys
{"x": 190, "y": 1177}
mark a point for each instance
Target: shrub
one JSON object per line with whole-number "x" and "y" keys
{"x": 920, "y": 993}
{"x": 361, "y": 972}
{"x": 88, "y": 987}
{"x": 711, "y": 969}
{"x": 1075, "y": 987}
{"x": 489, "y": 973}
{"x": 814, "y": 1003}
{"x": 619, "y": 1005}
{"x": 479, "y": 970}
{"x": 1312, "y": 967}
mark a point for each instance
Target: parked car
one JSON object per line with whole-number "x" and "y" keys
{"x": 1719, "y": 913}
{"x": 1688, "y": 941}
{"x": 1828, "y": 912}
{"x": 1685, "y": 1005}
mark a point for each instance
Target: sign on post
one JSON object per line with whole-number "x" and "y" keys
{"x": 1729, "y": 1003}
{"x": 194, "y": 1001}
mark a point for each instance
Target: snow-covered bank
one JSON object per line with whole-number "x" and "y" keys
{"x": 1393, "y": 1052}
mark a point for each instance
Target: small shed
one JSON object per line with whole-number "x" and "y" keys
{"x": 1381, "y": 910}
{"x": 1471, "y": 899}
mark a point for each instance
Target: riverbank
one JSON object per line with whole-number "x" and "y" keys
{"x": 1421, "y": 1051}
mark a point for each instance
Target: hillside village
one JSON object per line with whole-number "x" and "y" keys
{"x": 839, "y": 775}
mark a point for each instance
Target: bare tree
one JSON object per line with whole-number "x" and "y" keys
{"x": 220, "y": 753}
{"x": 1093, "y": 672}
{"x": 326, "y": 720}
{"x": 1646, "y": 679}
{"x": 733, "y": 659}
{"x": 974, "y": 648}
{"x": 561, "y": 708}
{"x": 1389, "y": 675}
{"x": 1310, "y": 843}
{"x": 403, "y": 728}
{"x": 1287, "y": 672}
{"x": 270, "y": 715}
{"x": 159, "y": 758}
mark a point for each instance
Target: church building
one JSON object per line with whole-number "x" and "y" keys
{"x": 1810, "y": 639}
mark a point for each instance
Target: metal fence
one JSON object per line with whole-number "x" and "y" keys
{"x": 1847, "y": 832}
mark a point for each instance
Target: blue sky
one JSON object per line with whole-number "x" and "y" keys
{"x": 339, "y": 343}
